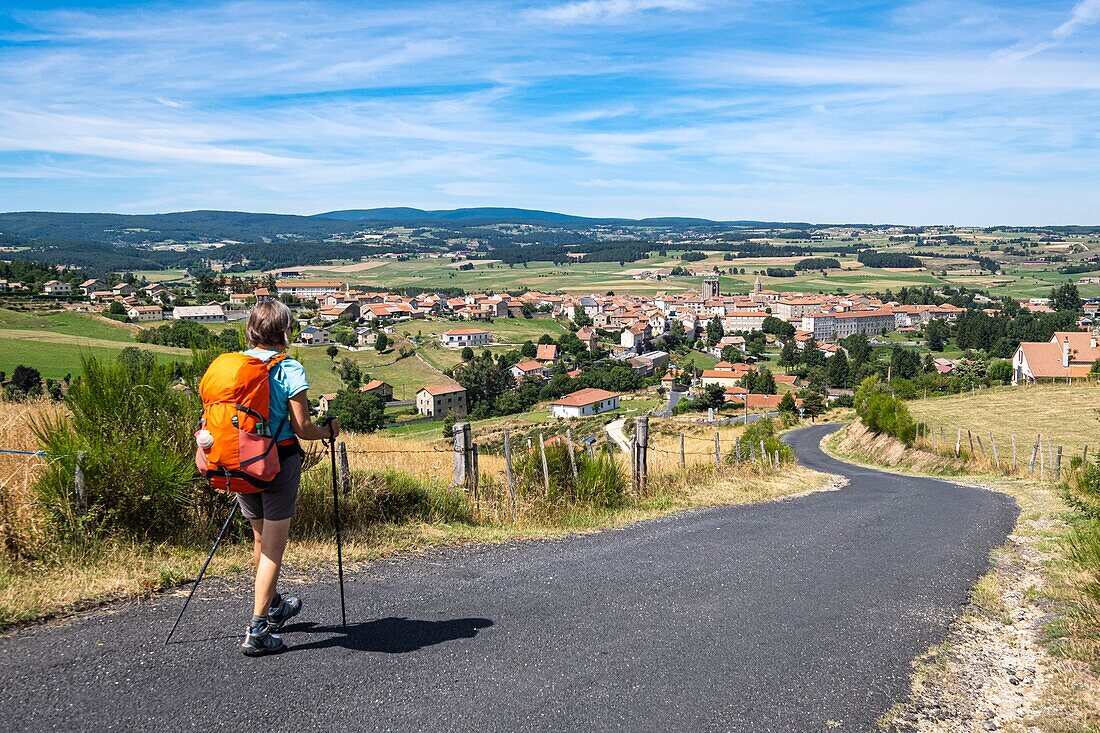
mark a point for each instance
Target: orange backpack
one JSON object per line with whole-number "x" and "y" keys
{"x": 235, "y": 439}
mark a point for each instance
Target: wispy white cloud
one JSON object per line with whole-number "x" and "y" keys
{"x": 319, "y": 104}
{"x": 597, "y": 11}
{"x": 1084, "y": 14}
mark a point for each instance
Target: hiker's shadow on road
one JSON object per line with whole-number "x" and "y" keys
{"x": 388, "y": 635}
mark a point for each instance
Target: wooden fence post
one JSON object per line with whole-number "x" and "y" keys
{"x": 79, "y": 485}
{"x": 1085, "y": 455}
{"x": 958, "y": 441}
{"x": 737, "y": 450}
{"x": 343, "y": 471}
{"x": 641, "y": 438}
{"x": 717, "y": 451}
{"x": 1058, "y": 465}
{"x": 545, "y": 469}
{"x": 970, "y": 437}
{"x": 572, "y": 458}
{"x": 1034, "y": 450}
{"x": 475, "y": 474}
{"x": 683, "y": 456}
{"x": 462, "y": 453}
{"x": 763, "y": 452}
{"x": 996, "y": 457}
{"x": 1014, "y": 453}
{"x": 511, "y": 478}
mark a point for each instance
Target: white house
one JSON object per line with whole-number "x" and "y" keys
{"x": 145, "y": 313}
{"x": 528, "y": 370}
{"x": 436, "y": 400}
{"x": 314, "y": 336}
{"x": 200, "y": 313}
{"x": 585, "y": 402}
{"x": 56, "y": 287}
{"x": 458, "y": 338}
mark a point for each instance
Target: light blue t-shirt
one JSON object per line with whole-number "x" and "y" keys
{"x": 287, "y": 379}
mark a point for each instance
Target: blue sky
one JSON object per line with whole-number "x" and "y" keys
{"x": 921, "y": 112}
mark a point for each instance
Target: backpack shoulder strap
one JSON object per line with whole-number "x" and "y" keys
{"x": 274, "y": 361}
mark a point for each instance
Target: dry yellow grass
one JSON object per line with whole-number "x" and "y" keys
{"x": 67, "y": 579}
{"x": 1064, "y": 414}
{"x": 18, "y": 472}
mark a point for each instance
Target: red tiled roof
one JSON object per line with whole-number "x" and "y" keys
{"x": 584, "y": 397}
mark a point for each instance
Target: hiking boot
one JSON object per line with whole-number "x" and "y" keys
{"x": 281, "y": 611}
{"x": 260, "y": 641}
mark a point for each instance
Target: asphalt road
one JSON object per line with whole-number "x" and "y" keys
{"x": 800, "y": 615}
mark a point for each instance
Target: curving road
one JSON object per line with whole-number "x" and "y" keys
{"x": 800, "y": 615}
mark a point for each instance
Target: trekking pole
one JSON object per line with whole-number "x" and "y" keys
{"x": 221, "y": 534}
{"x": 336, "y": 513}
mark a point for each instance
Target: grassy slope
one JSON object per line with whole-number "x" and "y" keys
{"x": 1063, "y": 414}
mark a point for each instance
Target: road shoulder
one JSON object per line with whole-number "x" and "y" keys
{"x": 1003, "y": 665}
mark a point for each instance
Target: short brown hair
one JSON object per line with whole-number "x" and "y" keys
{"x": 269, "y": 324}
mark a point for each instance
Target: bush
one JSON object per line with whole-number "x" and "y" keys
{"x": 762, "y": 430}
{"x": 598, "y": 483}
{"x": 882, "y": 412}
{"x": 135, "y": 431}
{"x": 388, "y": 496}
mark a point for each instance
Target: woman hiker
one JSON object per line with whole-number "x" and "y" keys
{"x": 271, "y": 510}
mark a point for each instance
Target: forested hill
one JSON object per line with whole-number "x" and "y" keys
{"x": 184, "y": 226}
{"x": 494, "y": 215}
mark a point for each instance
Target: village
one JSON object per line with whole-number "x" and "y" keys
{"x": 680, "y": 342}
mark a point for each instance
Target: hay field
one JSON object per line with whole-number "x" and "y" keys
{"x": 1064, "y": 414}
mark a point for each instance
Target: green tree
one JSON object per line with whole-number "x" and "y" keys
{"x": 787, "y": 404}
{"x": 714, "y": 331}
{"x": 449, "y": 425}
{"x": 332, "y": 351}
{"x": 789, "y": 354}
{"x": 350, "y": 373}
{"x": 528, "y": 349}
{"x": 1066, "y": 298}
{"x": 812, "y": 355}
{"x": 859, "y": 349}
{"x": 837, "y": 372}
{"x": 813, "y": 403}
{"x": 937, "y": 333}
{"x": 765, "y": 382}
{"x": 381, "y": 341}
{"x": 999, "y": 372}
{"x": 466, "y": 354}
{"x": 777, "y": 327}
{"x": 904, "y": 363}
{"x": 359, "y": 412}
{"x": 580, "y": 317}
{"x": 116, "y": 308}
{"x": 26, "y": 381}
{"x": 730, "y": 353}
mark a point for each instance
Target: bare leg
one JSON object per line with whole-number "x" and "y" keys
{"x": 257, "y": 533}
{"x": 272, "y": 545}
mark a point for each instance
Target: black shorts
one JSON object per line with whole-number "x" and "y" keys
{"x": 280, "y": 500}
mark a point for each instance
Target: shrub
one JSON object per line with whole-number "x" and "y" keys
{"x": 599, "y": 481}
{"x": 882, "y": 412}
{"x": 748, "y": 444}
{"x": 135, "y": 431}
{"x": 387, "y": 496}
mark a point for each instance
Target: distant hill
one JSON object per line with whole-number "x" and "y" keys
{"x": 480, "y": 215}
{"x": 496, "y": 215}
{"x": 180, "y": 226}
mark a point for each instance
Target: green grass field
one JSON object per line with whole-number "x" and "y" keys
{"x": 67, "y": 322}
{"x": 56, "y": 358}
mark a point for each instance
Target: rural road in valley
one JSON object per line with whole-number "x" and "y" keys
{"x": 797, "y": 615}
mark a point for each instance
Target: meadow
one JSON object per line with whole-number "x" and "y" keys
{"x": 1063, "y": 414}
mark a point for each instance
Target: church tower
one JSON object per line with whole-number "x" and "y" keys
{"x": 756, "y": 286}
{"x": 711, "y": 288}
